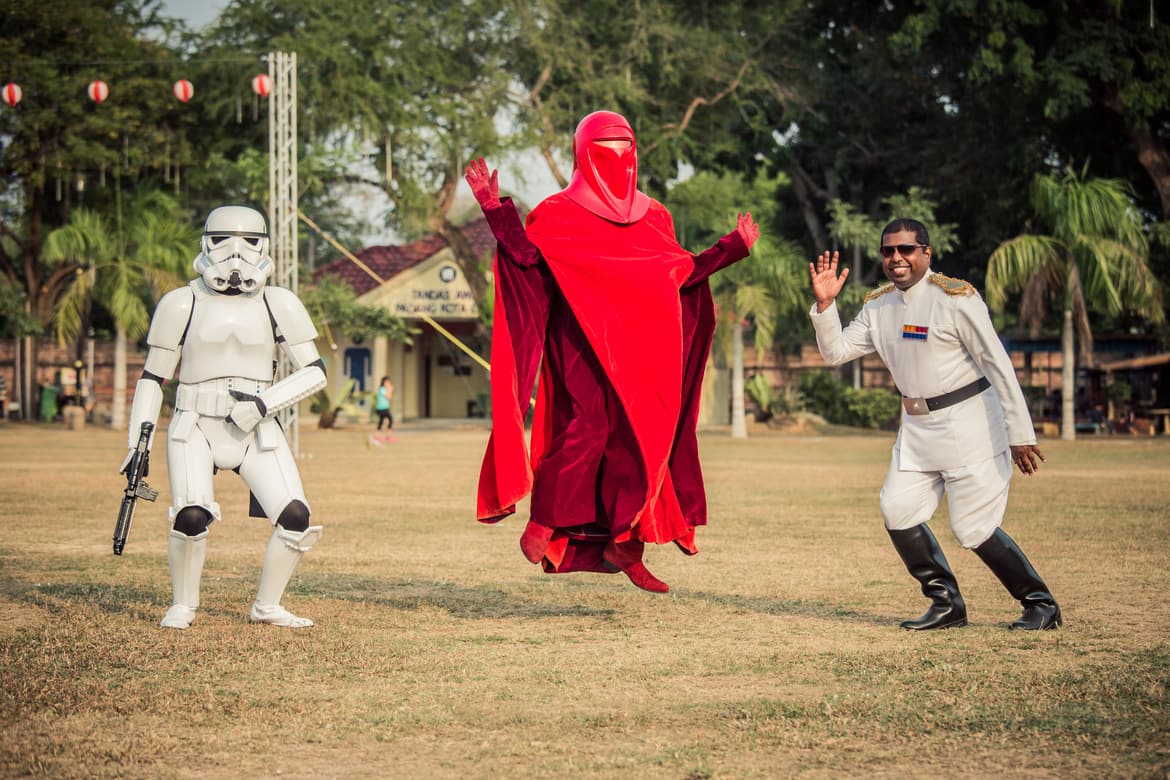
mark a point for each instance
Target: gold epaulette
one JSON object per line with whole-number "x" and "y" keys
{"x": 952, "y": 286}
{"x": 879, "y": 292}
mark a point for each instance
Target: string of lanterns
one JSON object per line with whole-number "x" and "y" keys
{"x": 98, "y": 90}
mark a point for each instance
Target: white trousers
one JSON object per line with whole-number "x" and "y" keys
{"x": 976, "y": 497}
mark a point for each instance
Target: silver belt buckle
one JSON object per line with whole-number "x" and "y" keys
{"x": 915, "y": 405}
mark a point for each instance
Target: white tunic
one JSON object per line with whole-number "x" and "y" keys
{"x": 934, "y": 338}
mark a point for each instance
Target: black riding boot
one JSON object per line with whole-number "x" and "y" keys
{"x": 1013, "y": 569}
{"x": 927, "y": 564}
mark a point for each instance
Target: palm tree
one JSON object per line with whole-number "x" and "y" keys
{"x": 760, "y": 288}
{"x": 143, "y": 255}
{"x": 1095, "y": 259}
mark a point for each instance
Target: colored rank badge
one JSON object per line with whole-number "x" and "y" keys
{"x": 915, "y": 332}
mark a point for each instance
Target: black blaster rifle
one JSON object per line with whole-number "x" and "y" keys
{"x": 136, "y": 487}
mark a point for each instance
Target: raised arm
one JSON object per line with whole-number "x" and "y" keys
{"x": 826, "y": 284}
{"x": 836, "y": 345}
{"x": 730, "y": 249}
{"x": 501, "y": 215}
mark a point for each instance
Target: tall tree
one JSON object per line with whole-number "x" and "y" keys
{"x": 760, "y": 289}
{"x": 61, "y": 149}
{"x": 687, "y": 75}
{"x": 1092, "y": 260}
{"x": 122, "y": 264}
{"x": 1086, "y": 71}
{"x": 414, "y": 88}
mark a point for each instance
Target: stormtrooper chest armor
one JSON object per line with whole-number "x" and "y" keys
{"x": 228, "y": 336}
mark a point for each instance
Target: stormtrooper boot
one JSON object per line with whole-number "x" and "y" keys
{"x": 284, "y": 552}
{"x": 926, "y": 563}
{"x": 185, "y": 554}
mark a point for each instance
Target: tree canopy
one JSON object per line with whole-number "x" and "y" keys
{"x": 856, "y": 104}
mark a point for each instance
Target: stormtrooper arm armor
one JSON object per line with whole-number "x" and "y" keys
{"x": 295, "y": 334}
{"x": 148, "y": 393}
{"x": 302, "y": 383}
{"x": 165, "y": 338}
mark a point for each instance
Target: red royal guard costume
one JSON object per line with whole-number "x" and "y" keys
{"x": 597, "y": 295}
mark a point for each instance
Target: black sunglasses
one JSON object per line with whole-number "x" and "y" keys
{"x": 905, "y": 250}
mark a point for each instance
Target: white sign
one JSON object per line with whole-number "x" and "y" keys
{"x": 435, "y": 287}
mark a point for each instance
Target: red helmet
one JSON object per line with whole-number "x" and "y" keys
{"x": 605, "y": 175}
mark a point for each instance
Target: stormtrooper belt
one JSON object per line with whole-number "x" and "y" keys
{"x": 928, "y": 405}
{"x": 213, "y": 397}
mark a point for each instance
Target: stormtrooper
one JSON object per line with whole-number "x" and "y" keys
{"x": 221, "y": 331}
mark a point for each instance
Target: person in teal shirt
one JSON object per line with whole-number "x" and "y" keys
{"x": 382, "y": 407}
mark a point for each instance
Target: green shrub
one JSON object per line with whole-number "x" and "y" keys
{"x": 872, "y": 407}
{"x": 758, "y": 390}
{"x": 825, "y": 395}
{"x": 840, "y": 404}
{"x": 788, "y": 401}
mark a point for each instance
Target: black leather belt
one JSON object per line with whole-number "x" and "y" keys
{"x": 928, "y": 405}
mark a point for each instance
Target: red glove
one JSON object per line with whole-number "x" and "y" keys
{"x": 748, "y": 230}
{"x": 484, "y": 186}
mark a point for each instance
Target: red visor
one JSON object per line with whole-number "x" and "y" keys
{"x": 605, "y": 180}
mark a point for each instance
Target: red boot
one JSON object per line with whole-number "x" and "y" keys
{"x": 534, "y": 541}
{"x": 627, "y": 556}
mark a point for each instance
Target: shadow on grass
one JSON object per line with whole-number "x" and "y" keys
{"x": 460, "y": 601}
{"x": 135, "y": 602}
{"x": 404, "y": 595}
{"x": 457, "y": 600}
{"x": 146, "y": 605}
{"x": 790, "y": 608}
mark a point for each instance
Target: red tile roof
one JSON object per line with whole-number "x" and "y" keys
{"x": 389, "y": 261}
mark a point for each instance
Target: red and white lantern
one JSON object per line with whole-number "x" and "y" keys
{"x": 262, "y": 85}
{"x": 98, "y": 91}
{"x": 183, "y": 90}
{"x": 12, "y": 93}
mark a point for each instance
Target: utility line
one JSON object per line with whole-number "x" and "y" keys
{"x": 383, "y": 282}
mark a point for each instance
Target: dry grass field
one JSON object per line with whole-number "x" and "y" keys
{"x": 440, "y": 652}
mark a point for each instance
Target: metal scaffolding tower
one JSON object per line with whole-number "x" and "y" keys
{"x": 282, "y": 190}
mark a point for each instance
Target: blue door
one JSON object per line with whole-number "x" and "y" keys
{"x": 357, "y": 366}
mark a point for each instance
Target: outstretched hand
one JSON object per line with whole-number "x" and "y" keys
{"x": 747, "y": 228}
{"x": 484, "y": 184}
{"x": 826, "y": 283}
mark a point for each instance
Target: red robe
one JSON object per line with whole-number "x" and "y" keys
{"x": 623, "y": 318}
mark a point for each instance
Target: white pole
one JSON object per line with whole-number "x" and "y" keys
{"x": 282, "y": 193}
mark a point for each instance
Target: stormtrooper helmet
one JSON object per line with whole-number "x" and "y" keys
{"x": 235, "y": 257}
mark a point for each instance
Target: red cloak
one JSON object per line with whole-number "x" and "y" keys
{"x": 622, "y": 316}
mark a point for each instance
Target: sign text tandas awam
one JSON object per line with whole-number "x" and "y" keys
{"x": 435, "y": 288}
{"x": 437, "y": 303}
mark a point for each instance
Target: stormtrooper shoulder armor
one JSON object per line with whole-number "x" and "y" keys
{"x": 289, "y": 316}
{"x": 171, "y": 318}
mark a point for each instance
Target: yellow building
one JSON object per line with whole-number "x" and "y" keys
{"x": 432, "y": 377}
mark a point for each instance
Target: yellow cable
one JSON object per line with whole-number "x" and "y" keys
{"x": 382, "y": 282}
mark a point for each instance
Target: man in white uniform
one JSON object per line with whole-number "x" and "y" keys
{"x": 964, "y": 421}
{"x": 222, "y": 331}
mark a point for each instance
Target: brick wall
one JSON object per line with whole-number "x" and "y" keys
{"x": 53, "y": 358}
